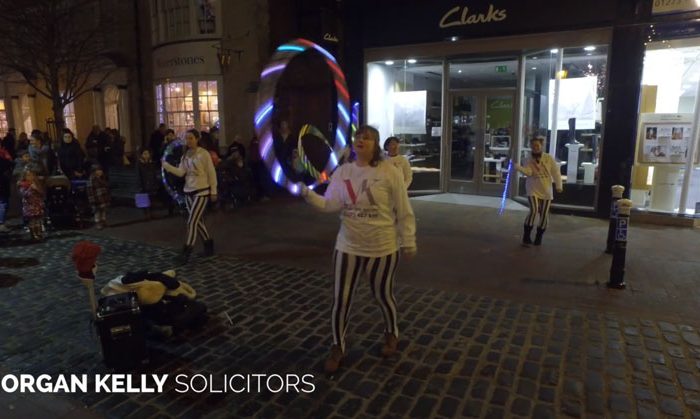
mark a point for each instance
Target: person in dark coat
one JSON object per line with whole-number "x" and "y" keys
{"x": 156, "y": 143}
{"x": 98, "y": 146}
{"x": 9, "y": 142}
{"x": 6, "y": 166}
{"x": 117, "y": 148}
{"x": 71, "y": 157}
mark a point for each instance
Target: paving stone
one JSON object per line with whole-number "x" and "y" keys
{"x": 424, "y": 407}
{"x": 671, "y": 407}
{"x": 662, "y": 373}
{"x": 547, "y": 394}
{"x": 401, "y": 405}
{"x": 500, "y": 397}
{"x": 527, "y": 388}
{"x": 666, "y": 389}
{"x": 595, "y": 403}
{"x": 643, "y": 394}
{"x": 448, "y": 407}
{"x": 472, "y": 409}
{"x": 647, "y": 412}
{"x": 542, "y": 411}
{"x": 521, "y": 407}
{"x": 691, "y": 338}
{"x": 620, "y": 403}
{"x": 458, "y": 387}
{"x": 571, "y": 408}
{"x": 688, "y": 381}
{"x": 573, "y": 388}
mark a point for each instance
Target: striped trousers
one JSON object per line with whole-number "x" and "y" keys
{"x": 381, "y": 272}
{"x": 541, "y": 206}
{"x": 195, "y": 210}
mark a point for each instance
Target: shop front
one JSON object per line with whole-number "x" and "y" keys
{"x": 666, "y": 173}
{"x": 466, "y": 87}
{"x": 188, "y": 86}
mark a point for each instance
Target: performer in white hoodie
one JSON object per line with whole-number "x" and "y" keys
{"x": 200, "y": 187}
{"x": 541, "y": 170}
{"x": 391, "y": 145}
{"x": 376, "y": 221}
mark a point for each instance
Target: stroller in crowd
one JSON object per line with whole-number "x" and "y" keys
{"x": 67, "y": 202}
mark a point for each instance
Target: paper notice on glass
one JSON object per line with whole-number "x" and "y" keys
{"x": 436, "y": 132}
{"x": 666, "y": 143}
{"x": 410, "y": 112}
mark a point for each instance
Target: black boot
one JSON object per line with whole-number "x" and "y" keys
{"x": 538, "y": 237}
{"x": 184, "y": 257}
{"x": 209, "y": 247}
{"x": 526, "y": 234}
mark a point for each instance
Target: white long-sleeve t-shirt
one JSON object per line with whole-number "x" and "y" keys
{"x": 402, "y": 163}
{"x": 375, "y": 213}
{"x": 198, "y": 169}
{"x": 540, "y": 175}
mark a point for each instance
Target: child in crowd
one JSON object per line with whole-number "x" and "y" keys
{"x": 33, "y": 209}
{"x": 148, "y": 176}
{"x": 98, "y": 195}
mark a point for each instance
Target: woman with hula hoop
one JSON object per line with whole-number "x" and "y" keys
{"x": 200, "y": 187}
{"x": 376, "y": 221}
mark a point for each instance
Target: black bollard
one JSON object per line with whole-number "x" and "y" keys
{"x": 617, "y": 269}
{"x": 617, "y": 191}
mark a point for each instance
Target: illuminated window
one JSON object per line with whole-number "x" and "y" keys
{"x": 208, "y": 104}
{"x": 178, "y": 107}
{"x": 3, "y": 119}
{"x": 160, "y": 105}
{"x": 69, "y": 117}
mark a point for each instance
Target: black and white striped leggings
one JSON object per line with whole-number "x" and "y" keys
{"x": 541, "y": 206}
{"x": 195, "y": 209}
{"x": 381, "y": 272}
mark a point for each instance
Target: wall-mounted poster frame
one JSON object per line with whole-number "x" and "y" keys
{"x": 664, "y": 138}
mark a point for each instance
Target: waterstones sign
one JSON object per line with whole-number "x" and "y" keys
{"x": 462, "y": 16}
{"x": 190, "y": 59}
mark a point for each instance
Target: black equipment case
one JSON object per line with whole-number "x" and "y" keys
{"x": 121, "y": 329}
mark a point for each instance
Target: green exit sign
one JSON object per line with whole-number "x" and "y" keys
{"x": 501, "y": 69}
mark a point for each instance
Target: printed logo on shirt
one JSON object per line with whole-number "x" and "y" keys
{"x": 365, "y": 189}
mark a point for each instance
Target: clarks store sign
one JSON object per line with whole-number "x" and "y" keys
{"x": 190, "y": 59}
{"x": 461, "y": 16}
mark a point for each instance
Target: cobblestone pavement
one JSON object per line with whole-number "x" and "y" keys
{"x": 460, "y": 355}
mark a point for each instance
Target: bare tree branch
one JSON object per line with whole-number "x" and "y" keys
{"x": 58, "y": 46}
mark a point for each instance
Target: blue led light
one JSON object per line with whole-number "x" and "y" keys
{"x": 291, "y": 48}
{"x": 340, "y": 137}
{"x": 344, "y": 112}
{"x": 262, "y": 114}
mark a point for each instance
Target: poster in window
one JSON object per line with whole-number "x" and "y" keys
{"x": 666, "y": 143}
{"x": 577, "y": 99}
{"x": 410, "y": 112}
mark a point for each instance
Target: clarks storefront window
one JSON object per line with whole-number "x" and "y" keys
{"x": 564, "y": 93}
{"x": 185, "y": 105}
{"x": 665, "y": 177}
{"x": 404, "y": 99}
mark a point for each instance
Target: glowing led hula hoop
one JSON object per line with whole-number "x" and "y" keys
{"x": 169, "y": 149}
{"x": 323, "y": 176}
{"x": 265, "y": 107}
{"x": 355, "y": 117}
